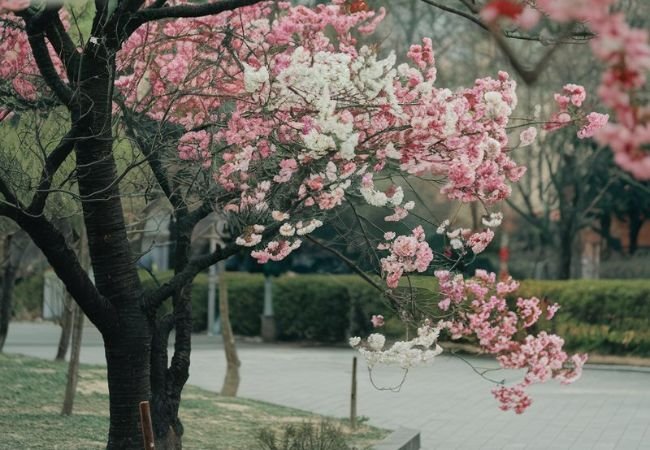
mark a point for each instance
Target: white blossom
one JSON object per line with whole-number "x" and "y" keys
{"x": 442, "y": 227}
{"x": 348, "y": 146}
{"x": 406, "y": 354}
{"x": 376, "y": 341}
{"x": 354, "y": 341}
{"x": 302, "y": 229}
{"x": 254, "y": 79}
{"x": 287, "y": 230}
{"x": 391, "y": 152}
{"x": 279, "y": 216}
{"x": 456, "y": 244}
{"x": 496, "y": 107}
{"x": 249, "y": 240}
{"x": 493, "y": 221}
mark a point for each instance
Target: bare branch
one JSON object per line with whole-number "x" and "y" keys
{"x": 66, "y": 265}
{"x": 186, "y": 10}
{"x": 46, "y": 67}
{"x": 356, "y": 269}
{"x": 155, "y": 298}
{"x": 52, "y": 164}
{"x": 9, "y": 195}
{"x": 62, "y": 43}
{"x": 457, "y": 12}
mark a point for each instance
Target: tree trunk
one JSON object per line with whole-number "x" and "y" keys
{"x": 167, "y": 382}
{"x": 636, "y": 223}
{"x": 6, "y": 296}
{"x": 127, "y": 339}
{"x": 232, "y": 379}
{"x": 566, "y": 255}
{"x": 67, "y": 320}
{"x": 73, "y": 366}
{"x": 128, "y": 363}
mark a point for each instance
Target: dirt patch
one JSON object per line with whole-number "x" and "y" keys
{"x": 87, "y": 387}
{"x": 43, "y": 370}
{"x": 234, "y": 406}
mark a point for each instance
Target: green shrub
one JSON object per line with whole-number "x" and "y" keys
{"x": 306, "y": 436}
{"x": 603, "y": 316}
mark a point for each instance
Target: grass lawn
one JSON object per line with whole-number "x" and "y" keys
{"x": 31, "y": 394}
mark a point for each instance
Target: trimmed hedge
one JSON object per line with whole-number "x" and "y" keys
{"x": 306, "y": 307}
{"x": 603, "y": 316}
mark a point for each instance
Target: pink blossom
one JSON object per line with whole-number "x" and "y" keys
{"x": 512, "y": 398}
{"x": 377, "y": 321}
{"x": 595, "y": 122}
{"x": 529, "y": 310}
{"x": 479, "y": 241}
{"x": 527, "y": 136}
{"x": 576, "y": 93}
{"x": 551, "y": 310}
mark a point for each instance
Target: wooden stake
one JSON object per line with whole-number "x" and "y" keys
{"x": 147, "y": 427}
{"x": 353, "y": 395}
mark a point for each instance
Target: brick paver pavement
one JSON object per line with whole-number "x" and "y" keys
{"x": 606, "y": 409}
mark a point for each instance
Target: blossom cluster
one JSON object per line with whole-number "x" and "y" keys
{"x": 418, "y": 351}
{"x": 317, "y": 118}
{"x": 407, "y": 254}
{"x": 479, "y": 309}
{"x": 569, "y": 103}
{"x": 462, "y": 238}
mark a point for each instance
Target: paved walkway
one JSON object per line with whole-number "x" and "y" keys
{"x": 606, "y": 409}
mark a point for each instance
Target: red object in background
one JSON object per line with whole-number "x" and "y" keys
{"x": 504, "y": 254}
{"x": 355, "y": 6}
{"x": 505, "y": 8}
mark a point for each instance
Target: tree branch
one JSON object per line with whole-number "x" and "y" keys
{"x": 457, "y": 12}
{"x": 153, "y": 299}
{"x": 9, "y": 195}
{"x": 66, "y": 265}
{"x": 148, "y": 146}
{"x": 65, "y": 48}
{"x": 46, "y": 67}
{"x": 52, "y": 164}
{"x": 185, "y": 10}
{"x": 356, "y": 269}
{"x": 530, "y": 76}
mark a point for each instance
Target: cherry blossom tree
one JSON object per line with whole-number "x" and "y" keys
{"x": 274, "y": 116}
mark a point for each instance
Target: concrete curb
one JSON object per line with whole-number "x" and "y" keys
{"x": 400, "y": 439}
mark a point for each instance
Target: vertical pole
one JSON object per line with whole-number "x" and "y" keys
{"x": 231, "y": 380}
{"x": 147, "y": 427}
{"x": 353, "y": 395}
{"x": 504, "y": 256}
{"x": 268, "y": 296}
{"x": 268, "y": 320}
{"x": 212, "y": 288}
{"x": 77, "y": 325}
